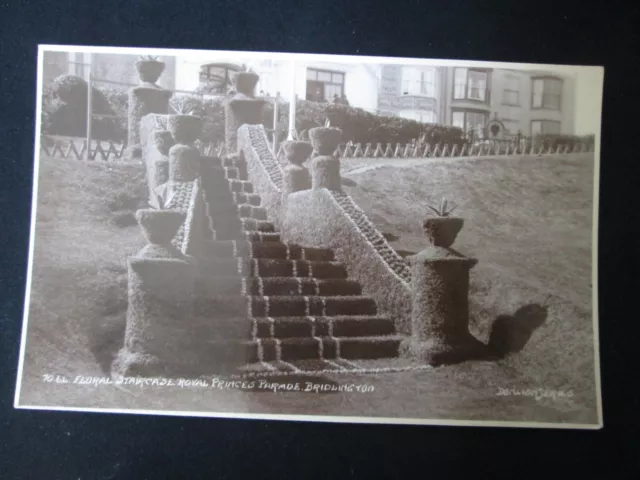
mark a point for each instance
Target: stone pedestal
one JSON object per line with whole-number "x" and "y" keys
{"x": 143, "y": 100}
{"x": 296, "y": 175}
{"x": 184, "y": 163}
{"x": 161, "y": 299}
{"x": 157, "y": 337}
{"x": 240, "y": 110}
{"x": 325, "y": 168}
{"x": 325, "y": 173}
{"x": 440, "y": 307}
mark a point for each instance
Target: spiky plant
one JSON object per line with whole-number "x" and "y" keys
{"x": 149, "y": 58}
{"x": 160, "y": 202}
{"x": 444, "y": 210}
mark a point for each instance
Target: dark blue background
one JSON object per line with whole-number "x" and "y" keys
{"x": 40, "y": 445}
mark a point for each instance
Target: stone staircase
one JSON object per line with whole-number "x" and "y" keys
{"x": 295, "y": 304}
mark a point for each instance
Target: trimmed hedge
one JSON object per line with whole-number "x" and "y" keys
{"x": 358, "y": 125}
{"x": 64, "y": 110}
{"x": 547, "y": 140}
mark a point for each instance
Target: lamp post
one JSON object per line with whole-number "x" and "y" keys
{"x": 292, "y": 102}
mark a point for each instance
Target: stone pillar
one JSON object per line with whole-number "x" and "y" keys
{"x": 163, "y": 141}
{"x": 325, "y": 168}
{"x": 296, "y": 175}
{"x": 440, "y": 306}
{"x": 184, "y": 158}
{"x": 143, "y": 100}
{"x": 161, "y": 299}
{"x": 243, "y": 108}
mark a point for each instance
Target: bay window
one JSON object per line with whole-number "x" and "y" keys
{"x": 470, "y": 120}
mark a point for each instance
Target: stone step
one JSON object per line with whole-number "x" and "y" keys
{"x": 243, "y": 186}
{"x": 287, "y": 306}
{"x": 297, "y": 348}
{"x": 269, "y": 249}
{"x": 301, "y": 286}
{"x": 241, "y": 235}
{"x": 249, "y": 198}
{"x": 268, "y": 268}
{"x": 336, "y": 326}
{"x": 250, "y": 211}
{"x": 251, "y": 224}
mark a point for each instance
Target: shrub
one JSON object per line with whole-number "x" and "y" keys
{"x": 64, "y": 110}
{"x": 554, "y": 140}
{"x": 361, "y": 126}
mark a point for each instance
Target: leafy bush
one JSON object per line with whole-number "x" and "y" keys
{"x": 547, "y": 140}
{"x": 64, "y": 110}
{"x": 358, "y": 125}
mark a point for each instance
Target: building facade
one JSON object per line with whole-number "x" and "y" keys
{"x": 526, "y": 102}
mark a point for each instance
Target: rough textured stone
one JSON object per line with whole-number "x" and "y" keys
{"x": 440, "y": 308}
{"x": 143, "y": 100}
{"x": 316, "y": 218}
{"x": 263, "y": 169}
{"x": 241, "y": 110}
{"x": 161, "y": 295}
{"x": 325, "y": 172}
{"x": 184, "y": 163}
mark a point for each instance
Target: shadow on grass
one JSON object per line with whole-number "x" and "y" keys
{"x": 511, "y": 333}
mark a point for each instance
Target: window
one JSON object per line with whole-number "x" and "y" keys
{"x": 324, "y": 85}
{"x": 470, "y": 84}
{"x": 546, "y": 92}
{"x": 469, "y": 120}
{"x": 511, "y": 93}
{"x": 77, "y": 64}
{"x": 545, "y": 127}
{"x": 422, "y": 116}
{"x": 419, "y": 81}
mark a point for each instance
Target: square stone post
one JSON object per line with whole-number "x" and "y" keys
{"x": 440, "y": 307}
{"x": 143, "y": 100}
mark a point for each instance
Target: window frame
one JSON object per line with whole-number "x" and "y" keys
{"x": 466, "y": 111}
{"x": 510, "y": 90}
{"x": 466, "y": 97}
{"x": 421, "y": 83}
{"x": 542, "y": 122}
{"x": 545, "y": 78}
{"x": 332, "y": 83}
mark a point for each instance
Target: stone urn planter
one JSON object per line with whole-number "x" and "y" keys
{"x": 297, "y": 152}
{"x": 185, "y": 129}
{"x": 442, "y": 231}
{"x": 159, "y": 227}
{"x": 325, "y": 140}
{"x": 163, "y": 141}
{"x": 149, "y": 69}
{"x": 245, "y": 83}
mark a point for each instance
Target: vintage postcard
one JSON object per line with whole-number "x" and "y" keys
{"x": 314, "y": 237}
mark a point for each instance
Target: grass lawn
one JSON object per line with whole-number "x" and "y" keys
{"x": 85, "y": 231}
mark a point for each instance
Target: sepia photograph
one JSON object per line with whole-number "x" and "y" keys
{"x": 314, "y": 237}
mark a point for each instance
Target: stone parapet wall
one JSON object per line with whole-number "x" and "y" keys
{"x": 264, "y": 170}
{"x": 317, "y": 218}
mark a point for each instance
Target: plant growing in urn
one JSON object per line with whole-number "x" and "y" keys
{"x": 442, "y": 229}
{"x": 149, "y": 68}
{"x": 185, "y": 127}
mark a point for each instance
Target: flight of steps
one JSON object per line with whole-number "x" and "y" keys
{"x": 292, "y": 303}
